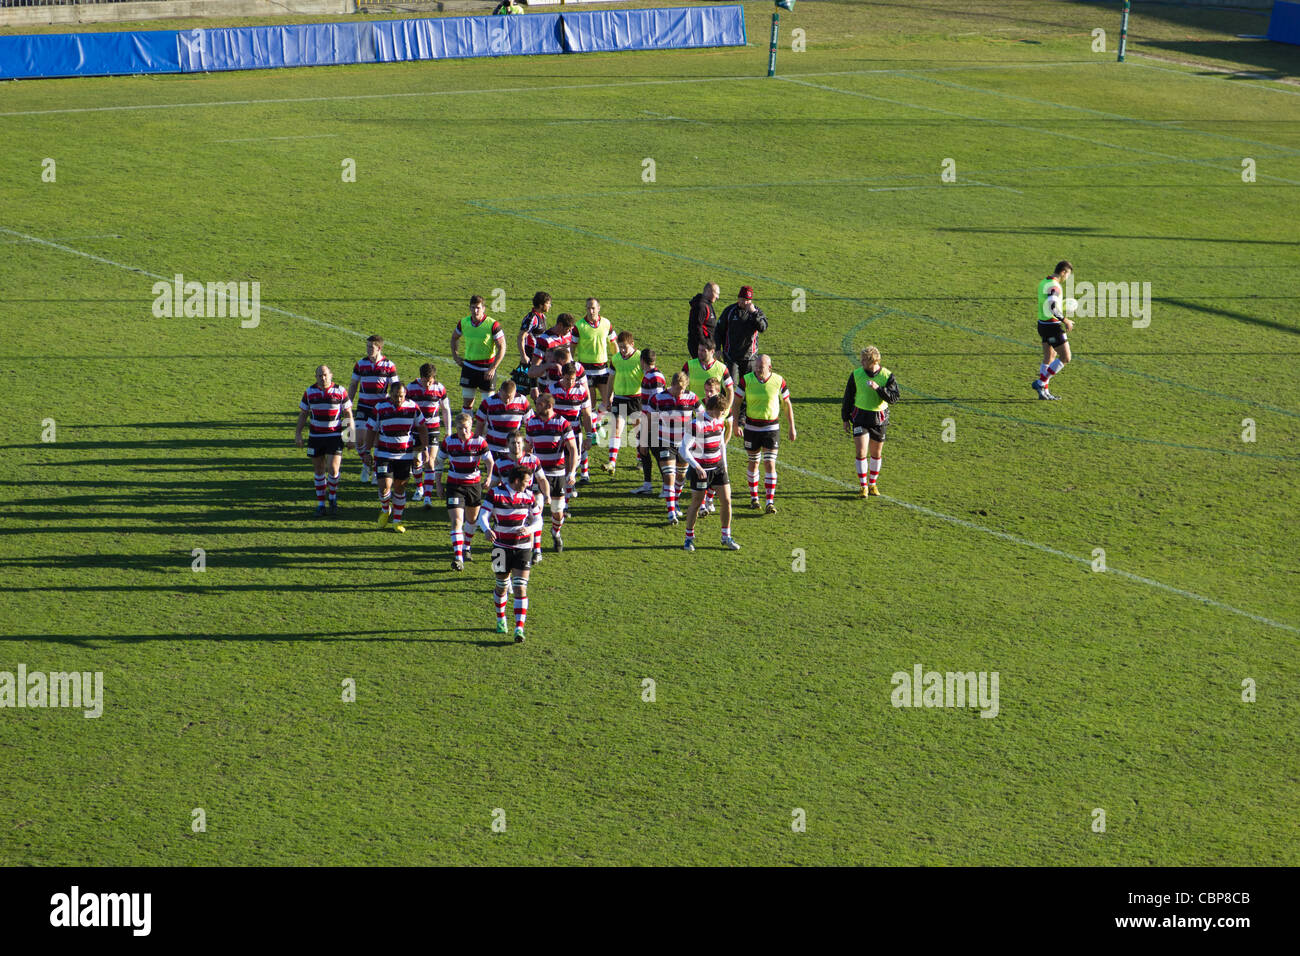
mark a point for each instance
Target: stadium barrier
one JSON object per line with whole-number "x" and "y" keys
{"x": 1284, "y": 24}
{"x": 374, "y": 41}
{"x": 28, "y": 13}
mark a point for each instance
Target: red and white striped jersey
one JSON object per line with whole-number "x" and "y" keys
{"x": 430, "y": 401}
{"x": 500, "y": 418}
{"x": 550, "y": 339}
{"x": 463, "y": 456}
{"x": 552, "y": 374}
{"x": 653, "y": 381}
{"x": 325, "y": 408}
{"x": 396, "y": 427}
{"x": 510, "y": 516}
{"x": 704, "y": 439}
{"x": 374, "y": 379}
{"x": 671, "y": 415}
{"x": 570, "y": 402}
{"x": 534, "y": 324}
{"x": 529, "y": 464}
{"x": 549, "y": 437}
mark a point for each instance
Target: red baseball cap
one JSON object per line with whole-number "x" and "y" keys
{"x": 747, "y": 292}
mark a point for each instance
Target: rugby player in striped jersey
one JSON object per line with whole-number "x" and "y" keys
{"x": 672, "y": 407}
{"x": 652, "y": 380}
{"x": 761, "y": 395}
{"x": 702, "y": 450}
{"x": 431, "y": 395}
{"x": 553, "y": 442}
{"x": 464, "y": 452}
{"x": 517, "y": 457}
{"x": 500, "y": 414}
{"x": 371, "y": 377}
{"x": 716, "y": 386}
{"x": 506, "y": 519}
{"x": 397, "y": 436}
{"x": 546, "y": 351}
{"x": 323, "y": 407}
{"x": 573, "y": 402}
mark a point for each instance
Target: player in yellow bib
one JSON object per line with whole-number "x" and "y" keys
{"x": 865, "y": 411}
{"x": 485, "y": 349}
{"x": 593, "y": 341}
{"x": 760, "y": 396}
{"x": 626, "y": 402}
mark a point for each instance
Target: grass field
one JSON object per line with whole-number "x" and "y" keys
{"x": 1119, "y": 690}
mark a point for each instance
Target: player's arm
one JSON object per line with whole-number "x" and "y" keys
{"x": 737, "y": 410}
{"x": 372, "y": 433}
{"x": 480, "y": 421}
{"x": 424, "y": 436}
{"x": 352, "y": 425}
{"x": 846, "y": 406}
{"x": 437, "y": 469}
{"x": 789, "y": 413}
{"x": 498, "y": 350}
{"x": 455, "y": 347}
{"x": 485, "y": 518}
{"x": 570, "y": 460}
{"x": 491, "y": 462}
{"x": 584, "y": 416}
{"x": 889, "y": 391}
{"x": 444, "y": 415}
{"x": 759, "y": 318}
{"x": 352, "y": 387}
{"x": 302, "y": 421}
{"x": 684, "y": 449}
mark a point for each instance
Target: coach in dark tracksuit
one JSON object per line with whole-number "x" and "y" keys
{"x": 702, "y": 319}
{"x": 736, "y": 333}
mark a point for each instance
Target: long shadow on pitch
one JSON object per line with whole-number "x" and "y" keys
{"x": 335, "y": 636}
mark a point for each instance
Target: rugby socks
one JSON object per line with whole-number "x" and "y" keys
{"x": 769, "y": 483}
{"x": 874, "y": 473}
{"x": 386, "y": 502}
{"x": 521, "y": 610}
{"x": 537, "y": 538}
{"x": 1044, "y": 373}
{"x": 672, "y": 499}
{"x": 457, "y": 546}
{"x": 726, "y": 533}
{"x": 399, "y": 505}
{"x": 1051, "y": 370}
{"x": 614, "y": 445}
{"x": 502, "y": 599}
{"x": 469, "y": 540}
{"x": 557, "y": 522}
{"x": 690, "y": 535}
{"x": 429, "y": 484}
{"x": 586, "y": 473}
{"x": 862, "y": 471}
{"x": 333, "y": 482}
{"x": 708, "y": 498}
{"x": 320, "y": 488}
{"x": 751, "y": 472}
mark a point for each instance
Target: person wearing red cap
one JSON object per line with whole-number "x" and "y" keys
{"x": 736, "y": 333}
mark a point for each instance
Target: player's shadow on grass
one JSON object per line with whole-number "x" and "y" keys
{"x": 1093, "y": 233}
{"x": 385, "y": 637}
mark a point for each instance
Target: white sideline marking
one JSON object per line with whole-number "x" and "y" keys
{"x": 521, "y": 89}
{"x": 1214, "y": 69}
{"x": 1047, "y": 549}
{"x": 951, "y": 519}
{"x": 23, "y": 237}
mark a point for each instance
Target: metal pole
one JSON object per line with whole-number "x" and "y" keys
{"x": 771, "y": 57}
{"x": 1123, "y": 31}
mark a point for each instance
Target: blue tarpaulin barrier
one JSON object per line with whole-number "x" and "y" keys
{"x": 376, "y": 41}
{"x": 1284, "y": 24}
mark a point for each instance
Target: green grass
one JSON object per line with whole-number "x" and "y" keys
{"x": 773, "y": 687}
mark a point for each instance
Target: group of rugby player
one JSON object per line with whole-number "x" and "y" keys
{"x": 534, "y": 435}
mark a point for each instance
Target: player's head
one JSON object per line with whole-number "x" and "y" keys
{"x": 518, "y": 480}
{"x": 712, "y": 387}
{"x": 711, "y": 291}
{"x": 568, "y": 374}
{"x": 593, "y": 307}
{"x": 545, "y": 404}
{"x": 648, "y": 359}
{"x": 476, "y": 306}
{"x": 763, "y": 365}
{"x": 679, "y": 382}
{"x": 397, "y": 393}
{"x": 706, "y": 350}
{"x": 746, "y": 295}
{"x": 324, "y": 376}
{"x": 563, "y": 322}
{"x": 541, "y": 302}
{"x": 870, "y": 357}
{"x": 507, "y": 389}
{"x": 1063, "y": 269}
{"x": 626, "y": 343}
{"x": 515, "y": 442}
{"x": 713, "y": 405}
{"x": 428, "y": 373}
{"x": 374, "y": 347}
{"x": 463, "y": 426}
{"x": 562, "y": 355}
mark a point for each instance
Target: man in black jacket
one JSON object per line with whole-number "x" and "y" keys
{"x": 736, "y": 333}
{"x": 702, "y": 318}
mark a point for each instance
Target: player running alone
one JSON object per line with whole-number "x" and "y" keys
{"x": 431, "y": 395}
{"x": 371, "y": 378}
{"x": 1053, "y": 323}
{"x": 865, "y": 411}
{"x": 506, "y": 518}
{"x": 553, "y": 442}
{"x": 626, "y": 402}
{"x": 464, "y": 452}
{"x": 324, "y": 406}
{"x": 760, "y": 396}
{"x": 701, "y": 448}
{"x": 485, "y": 349}
{"x": 398, "y": 436}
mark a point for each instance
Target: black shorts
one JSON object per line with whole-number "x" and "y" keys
{"x": 464, "y": 496}
{"x": 399, "y": 469}
{"x": 625, "y": 406}
{"x": 318, "y": 445}
{"x": 364, "y": 415}
{"x": 597, "y": 374}
{"x": 505, "y": 560}
{"x": 665, "y": 456}
{"x": 556, "y": 483}
{"x": 871, "y": 424}
{"x": 758, "y": 440}
{"x": 713, "y": 478}
{"x": 1052, "y": 333}
{"x": 478, "y": 378}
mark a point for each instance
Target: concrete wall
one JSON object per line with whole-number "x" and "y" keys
{"x": 113, "y": 12}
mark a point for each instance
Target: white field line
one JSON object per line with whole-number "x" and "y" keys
{"x": 520, "y": 89}
{"x": 1215, "y": 69}
{"x": 951, "y": 519}
{"x": 1056, "y": 552}
{"x": 23, "y": 237}
{"x": 1030, "y": 129}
